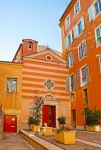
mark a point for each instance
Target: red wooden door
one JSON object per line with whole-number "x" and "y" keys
{"x": 10, "y": 123}
{"x": 49, "y": 115}
{"x": 53, "y": 116}
{"x": 45, "y": 115}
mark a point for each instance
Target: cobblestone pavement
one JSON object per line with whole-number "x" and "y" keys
{"x": 13, "y": 141}
{"x": 84, "y": 135}
{"x": 89, "y": 136}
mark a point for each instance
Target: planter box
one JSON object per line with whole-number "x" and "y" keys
{"x": 47, "y": 131}
{"x": 66, "y": 137}
{"x": 36, "y": 128}
{"x": 32, "y": 127}
{"x": 1, "y": 136}
{"x": 93, "y": 128}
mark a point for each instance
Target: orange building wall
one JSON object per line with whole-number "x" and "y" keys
{"x": 94, "y": 94}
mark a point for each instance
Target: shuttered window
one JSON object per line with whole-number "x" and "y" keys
{"x": 75, "y": 31}
{"x": 68, "y": 40}
{"x": 83, "y": 76}
{"x": 91, "y": 13}
{"x": 68, "y": 83}
{"x": 70, "y": 60}
{"x": 79, "y": 27}
{"x": 67, "y": 22}
{"x": 98, "y": 35}
{"x": 100, "y": 62}
{"x": 71, "y": 83}
{"x": 82, "y": 49}
{"x": 94, "y": 10}
{"x": 77, "y": 8}
{"x": 97, "y": 7}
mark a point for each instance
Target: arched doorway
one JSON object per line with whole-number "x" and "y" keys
{"x": 49, "y": 111}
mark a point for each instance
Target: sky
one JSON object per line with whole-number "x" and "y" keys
{"x": 29, "y": 19}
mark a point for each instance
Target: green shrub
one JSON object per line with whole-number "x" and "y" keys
{"x": 62, "y": 120}
{"x": 30, "y": 120}
{"x": 92, "y": 116}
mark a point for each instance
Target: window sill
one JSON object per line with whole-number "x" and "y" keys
{"x": 95, "y": 17}
{"x": 98, "y": 45}
{"x": 11, "y": 92}
{"x": 84, "y": 84}
{"x": 80, "y": 59}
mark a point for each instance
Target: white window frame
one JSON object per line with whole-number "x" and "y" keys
{"x": 66, "y": 43}
{"x": 70, "y": 33}
{"x": 67, "y": 25}
{"x": 79, "y": 52}
{"x": 82, "y": 83}
{"x": 97, "y": 45}
{"x": 94, "y": 10}
{"x": 99, "y": 57}
{"x": 76, "y": 27}
{"x": 9, "y": 87}
{"x": 75, "y": 9}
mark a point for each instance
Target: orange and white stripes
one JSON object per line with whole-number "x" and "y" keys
{"x": 35, "y": 73}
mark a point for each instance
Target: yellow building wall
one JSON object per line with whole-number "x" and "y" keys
{"x": 11, "y": 102}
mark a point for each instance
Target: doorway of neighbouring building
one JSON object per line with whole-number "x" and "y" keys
{"x": 10, "y": 123}
{"x": 74, "y": 118}
{"x": 49, "y": 115}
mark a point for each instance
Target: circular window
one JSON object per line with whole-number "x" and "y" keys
{"x": 49, "y": 58}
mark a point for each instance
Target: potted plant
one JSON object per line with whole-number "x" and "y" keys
{"x": 61, "y": 121}
{"x": 36, "y": 113}
{"x": 31, "y": 123}
{"x": 66, "y": 135}
{"x": 93, "y": 119}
